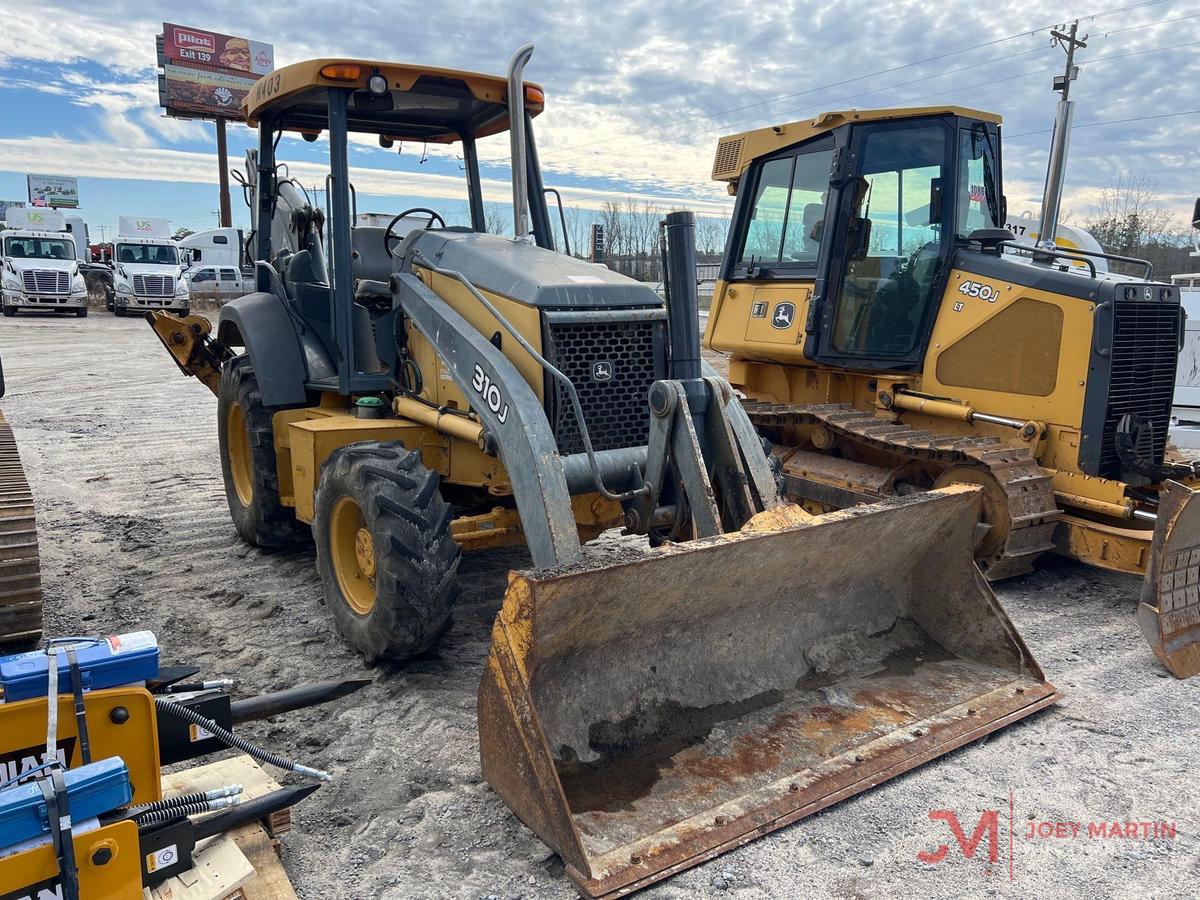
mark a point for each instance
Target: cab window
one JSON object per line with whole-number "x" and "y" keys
{"x": 787, "y": 218}
{"x": 894, "y": 239}
{"x": 978, "y": 197}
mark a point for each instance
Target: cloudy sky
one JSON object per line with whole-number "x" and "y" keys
{"x": 638, "y": 92}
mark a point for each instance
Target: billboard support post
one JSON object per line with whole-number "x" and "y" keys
{"x": 223, "y": 166}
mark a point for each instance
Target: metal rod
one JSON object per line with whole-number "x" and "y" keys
{"x": 1060, "y": 143}
{"x": 1145, "y": 515}
{"x": 252, "y": 810}
{"x": 299, "y": 697}
{"x": 997, "y": 420}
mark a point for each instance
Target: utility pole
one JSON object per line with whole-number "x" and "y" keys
{"x": 1060, "y": 141}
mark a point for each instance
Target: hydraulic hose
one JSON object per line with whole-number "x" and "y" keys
{"x": 174, "y": 708}
{"x": 159, "y": 816}
{"x": 169, "y": 803}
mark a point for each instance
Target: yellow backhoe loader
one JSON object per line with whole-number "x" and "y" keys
{"x": 425, "y": 389}
{"x": 891, "y": 338}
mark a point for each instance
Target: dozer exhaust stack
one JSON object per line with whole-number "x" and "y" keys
{"x": 645, "y": 716}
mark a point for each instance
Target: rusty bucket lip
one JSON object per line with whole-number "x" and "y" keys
{"x": 1020, "y": 698}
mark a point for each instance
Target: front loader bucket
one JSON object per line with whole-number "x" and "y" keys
{"x": 1169, "y": 613}
{"x": 645, "y": 716}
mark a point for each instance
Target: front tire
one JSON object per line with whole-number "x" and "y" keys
{"x": 9, "y": 312}
{"x": 81, "y": 312}
{"x": 385, "y": 553}
{"x": 119, "y": 312}
{"x": 247, "y": 441}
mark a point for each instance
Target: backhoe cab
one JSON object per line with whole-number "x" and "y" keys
{"x": 892, "y": 338}
{"x": 408, "y": 395}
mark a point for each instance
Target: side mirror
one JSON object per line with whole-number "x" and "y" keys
{"x": 935, "y": 201}
{"x": 1196, "y": 214}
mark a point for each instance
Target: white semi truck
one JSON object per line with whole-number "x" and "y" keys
{"x": 147, "y": 268}
{"x": 39, "y": 264}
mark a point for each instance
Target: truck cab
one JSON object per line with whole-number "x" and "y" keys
{"x": 39, "y": 268}
{"x": 147, "y": 268}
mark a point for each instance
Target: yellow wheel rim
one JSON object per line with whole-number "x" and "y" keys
{"x": 352, "y": 550}
{"x": 240, "y": 466}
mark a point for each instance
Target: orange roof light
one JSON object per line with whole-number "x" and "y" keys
{"x": 534, "y": 95}
{"x": 341, "y": 72}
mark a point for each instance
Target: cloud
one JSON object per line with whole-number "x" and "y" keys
{"x": 99, "y": 160}
{"x": 639, "y": 92}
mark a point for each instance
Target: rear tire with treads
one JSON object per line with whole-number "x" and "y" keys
{"x": 247, "y": 441}
{"x": 385, "y": 553}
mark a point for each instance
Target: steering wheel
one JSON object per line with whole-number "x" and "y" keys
{"x": 389, "y": 238}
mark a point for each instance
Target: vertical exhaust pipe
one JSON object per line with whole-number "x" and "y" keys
{"x": 520, "y": 154}
{"x": 1056, "y": 171}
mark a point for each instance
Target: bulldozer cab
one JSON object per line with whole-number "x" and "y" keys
{"x": 333, "y": 269}
{"x": 868, "y": 208}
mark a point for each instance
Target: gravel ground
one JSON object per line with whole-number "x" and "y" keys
{"x": 122, "y": 455}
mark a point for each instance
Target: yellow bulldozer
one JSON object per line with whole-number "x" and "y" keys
{"x": 404, "y": 394}
{"x": 891, "y": 338}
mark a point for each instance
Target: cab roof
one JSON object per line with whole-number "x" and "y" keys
{"x": 736, "y": 151}
{"x": 430, "y": 104}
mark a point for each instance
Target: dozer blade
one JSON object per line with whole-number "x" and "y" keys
{"x": 1169, "y": 612}
{"x": 646, "y": 716}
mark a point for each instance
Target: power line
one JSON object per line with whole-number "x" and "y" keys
{"x": 845, "y": 81}
{"x": 1186, "y": 112}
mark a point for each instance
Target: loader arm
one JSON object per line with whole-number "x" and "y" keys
{"x": 194, "y": 351}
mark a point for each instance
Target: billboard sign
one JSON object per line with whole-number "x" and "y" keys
{"x": 59, "y": 191}
{"x": 207, "y": 74}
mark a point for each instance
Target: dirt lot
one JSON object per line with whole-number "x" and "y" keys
{"x": 122, "y": 455}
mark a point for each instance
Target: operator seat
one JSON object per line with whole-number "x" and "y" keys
{"x": 312, "y": 299}
{"x": 372, "y": 264}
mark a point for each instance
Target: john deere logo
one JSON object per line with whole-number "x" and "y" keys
{"x": 602, "y": 370}
{"x": 785, "y": 315}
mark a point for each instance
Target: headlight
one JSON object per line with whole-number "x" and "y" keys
{"x": 11, "y": 284}
{"x": 124, "y": 288}
{"x": 181, "y": 290}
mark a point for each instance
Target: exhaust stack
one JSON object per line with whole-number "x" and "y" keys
{"x": 520, "y": 155}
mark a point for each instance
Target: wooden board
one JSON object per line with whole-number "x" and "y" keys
{"x": 243, "y": 863}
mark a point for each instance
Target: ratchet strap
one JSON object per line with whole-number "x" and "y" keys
{"x": 58, "y": 814}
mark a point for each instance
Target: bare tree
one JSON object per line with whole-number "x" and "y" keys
{"x": 1128, "y": 217}
{"x": 1129, "y": 220}
{"x": 495, "y": 221}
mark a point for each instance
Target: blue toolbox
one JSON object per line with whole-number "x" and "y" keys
{"x": 116, "y": 660}
{"x": 93, "y": 789}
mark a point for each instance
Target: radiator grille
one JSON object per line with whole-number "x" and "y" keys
{"x": 46, "y": 281}
{"x": 154, "y": 285}
{"x": 1144, "y": 353}
{"x": 615, "y": 409}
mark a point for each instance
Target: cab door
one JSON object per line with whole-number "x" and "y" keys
{"x": 889, "y": 254}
